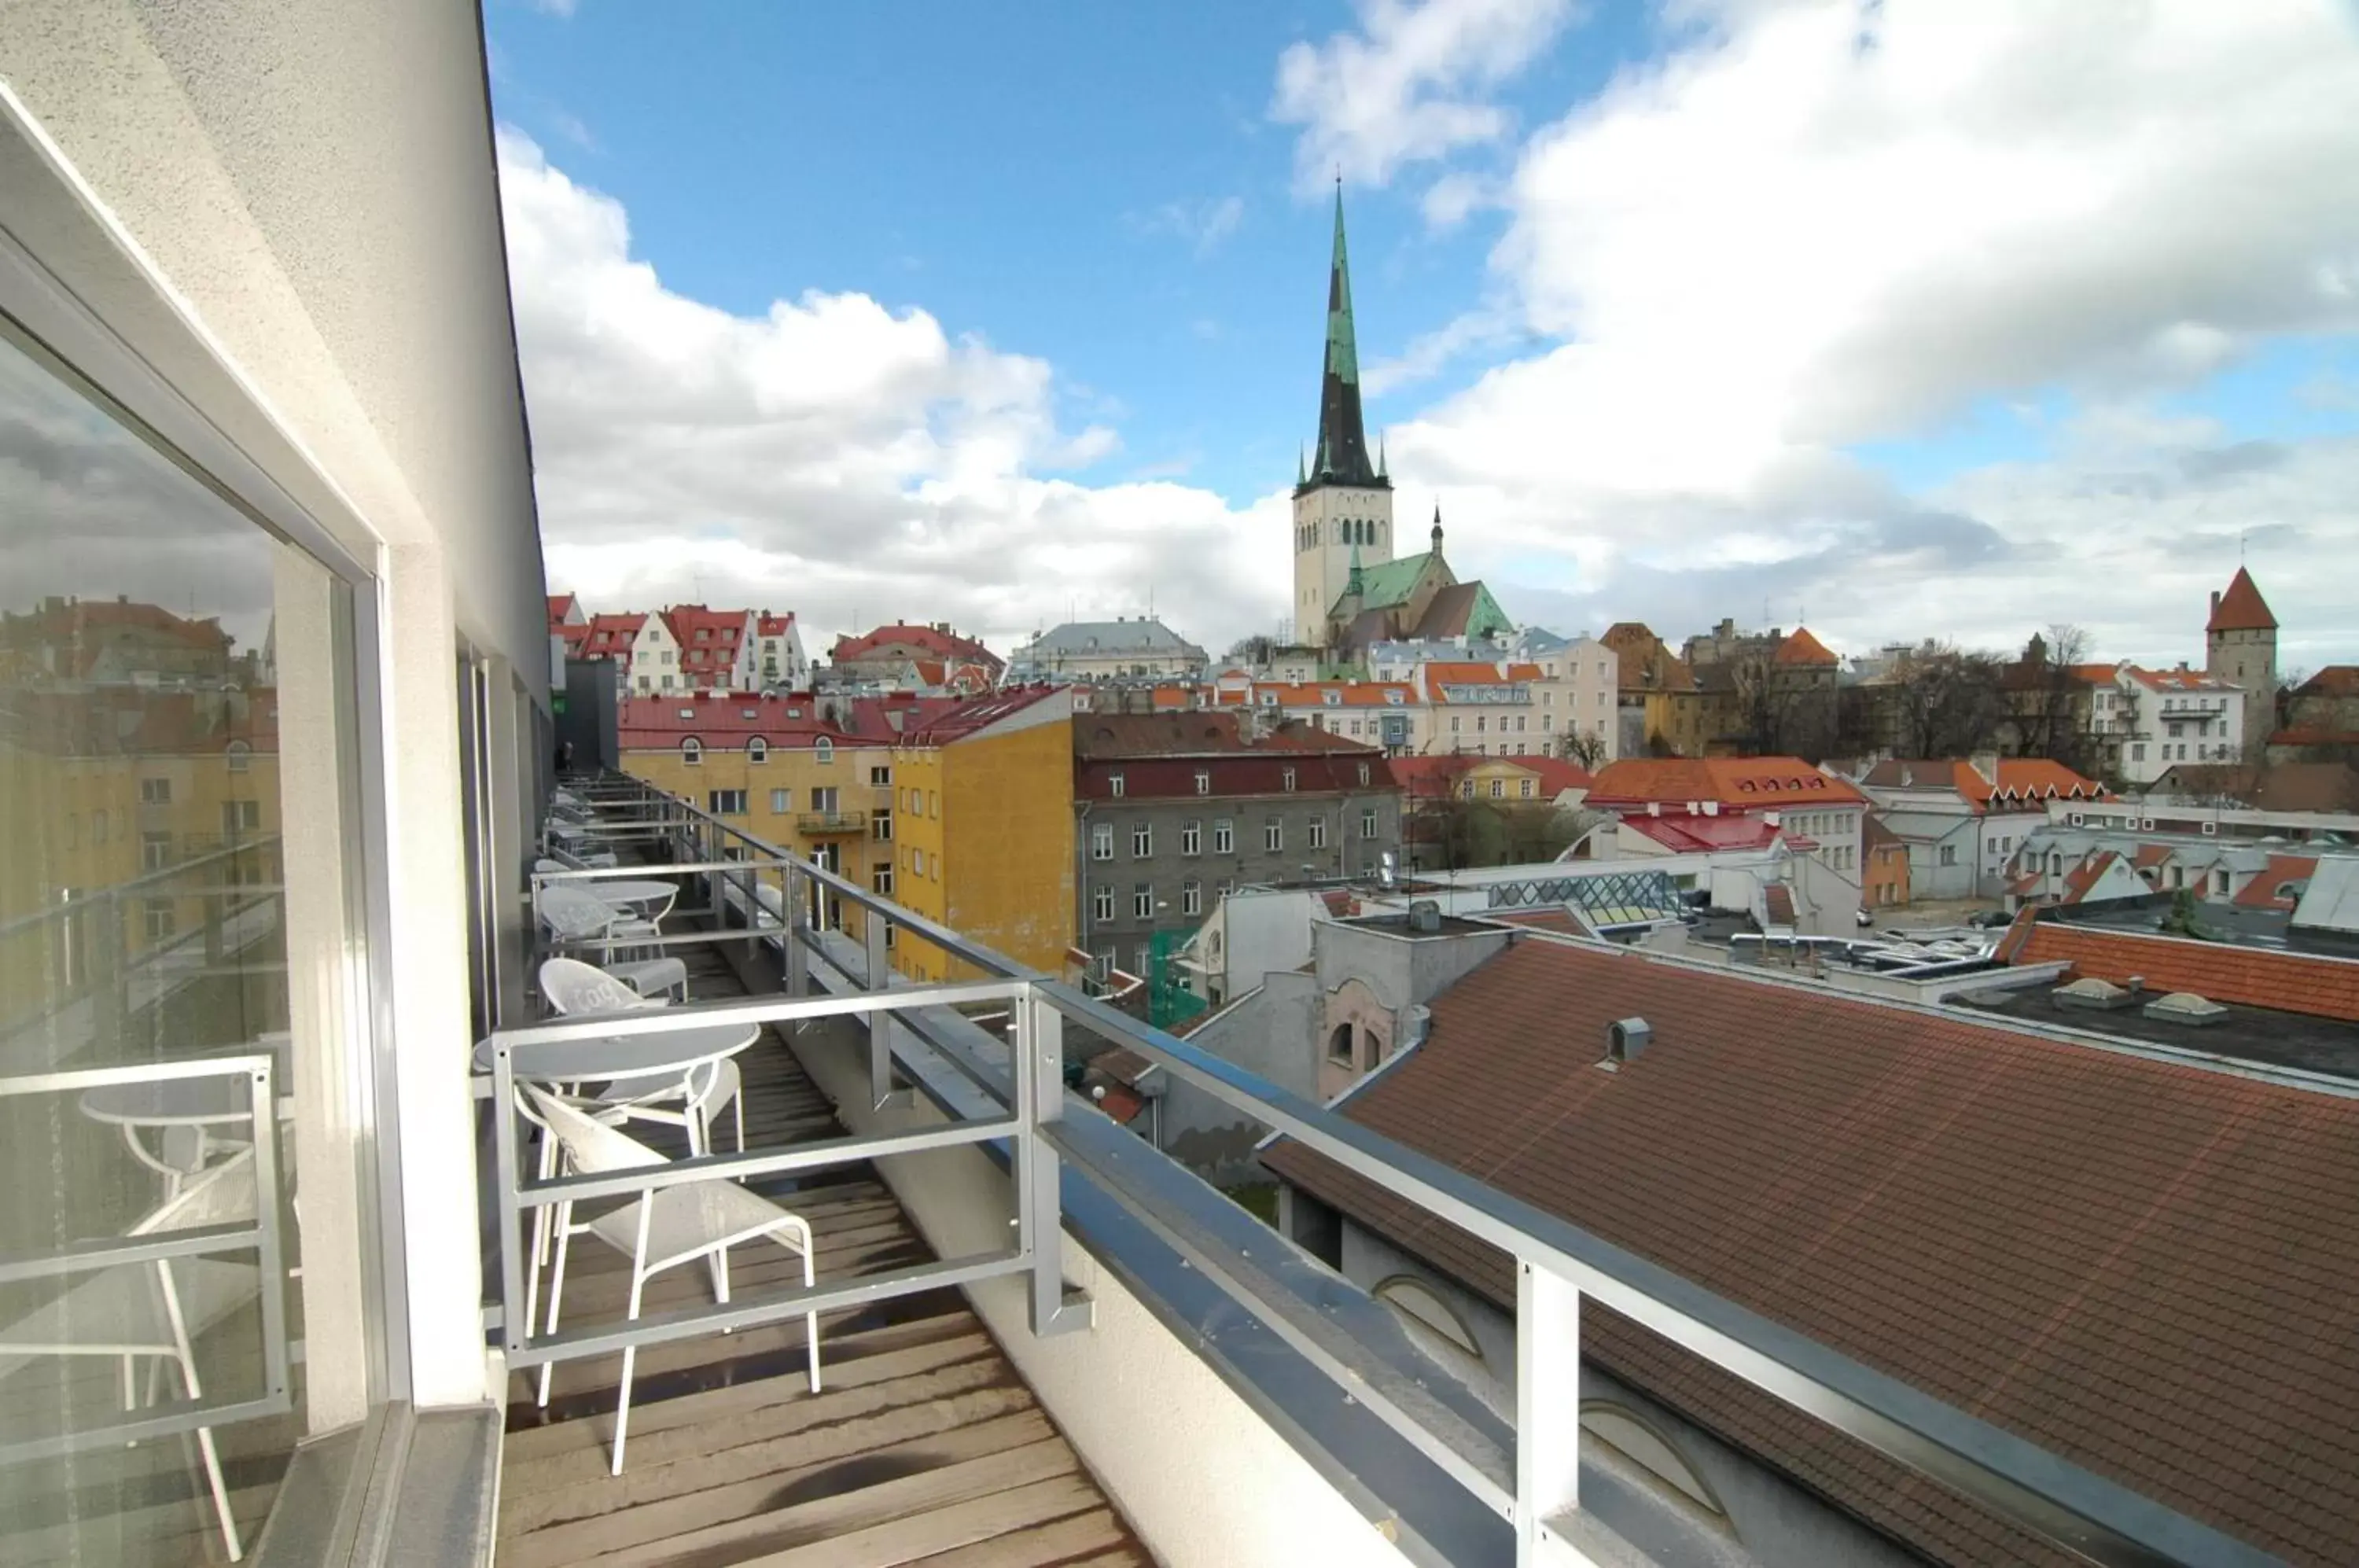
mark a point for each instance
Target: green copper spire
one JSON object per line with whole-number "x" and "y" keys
{"x": 1301, "y": 478}
{"x": 1343, "y": 456}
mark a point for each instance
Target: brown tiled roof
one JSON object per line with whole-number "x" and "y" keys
{"x": 2241, "y": 608}
{"x": 2279, "y": 787}
{"x": 2085, "y": 876}
{"x": 2246, "y": 976}
{"x": 1099, "y": 736}
{"x": 2335, "y": 680}
{"x": 2142, "y": 1266}
{"x": 1769, "y": 782}
{"x": 1803, "y": 649}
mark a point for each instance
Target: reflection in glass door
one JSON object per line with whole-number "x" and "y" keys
{"x": 184, "y": 1229}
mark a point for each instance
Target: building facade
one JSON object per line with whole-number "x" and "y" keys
{"x": 2240, "y": 651}
{"x": 1172, "y": 811}
{"x": 1122, "y": 648}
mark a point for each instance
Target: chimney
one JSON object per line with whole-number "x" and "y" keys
{"x": 1625, "y": 1039}
{"x": 1424, "y": 915}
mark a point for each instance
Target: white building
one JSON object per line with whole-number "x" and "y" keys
{"x": 778, "y": 657}
{"x": 1126, "y": 647}
{"x": 2150, "y": 720}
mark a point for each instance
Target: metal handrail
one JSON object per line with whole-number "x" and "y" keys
{"x": 1557, "y": 1264}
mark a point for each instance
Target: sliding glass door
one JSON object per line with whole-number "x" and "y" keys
{"x": 192, "y": 1253}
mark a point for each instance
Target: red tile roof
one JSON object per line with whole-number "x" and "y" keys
{"x": 2247, "y": 976}
{"x": 2335, "y": 680}
{"x": 724, "y": 722}
{"x": 2241, "y": 608}
{"x": 769, "y": 624}
{"x": 1803, "y": 649}
{"x": 559, "y": 606}
{"x": 2261, "y": 892}
{"x": 1770, "y": 782}
{"x": 1698, "y": 835}
{"x": 2019, "y": 779}
{"x": 934, "y": 640}
{"x": 2182, "y": 680}
{"x": 1100, "y": 737}
{"x": 968, "y": 715}
{"x": 2082, "y": 878}
{"x": 612, "y": 635}
{"x": 2158, "y": 1286}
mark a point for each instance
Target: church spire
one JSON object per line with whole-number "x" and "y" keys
{"x": 1342, "y": 438}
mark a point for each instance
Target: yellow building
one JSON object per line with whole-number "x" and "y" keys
{"x": 768, "y": 764}
{"x": 985, "y": 808}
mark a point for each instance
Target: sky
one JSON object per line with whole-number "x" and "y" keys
{"x": 1905, "y": 319}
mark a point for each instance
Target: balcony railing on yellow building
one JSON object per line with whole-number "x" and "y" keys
{"x": 815, "y": 824}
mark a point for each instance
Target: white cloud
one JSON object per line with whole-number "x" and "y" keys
{"x": 554, "y": 7}
{"x": 849, "y": 460}
{"x": 1780, "y": 241}
{"x": 1409, "y": 86}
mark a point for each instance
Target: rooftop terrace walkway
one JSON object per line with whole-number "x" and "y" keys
{"x": 924, "y": 1447}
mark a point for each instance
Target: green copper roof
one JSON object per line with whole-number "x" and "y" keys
{"x": 1486, "y": 618}
{"x": 1343, "y": 457}
{"x": 1388, "y": 582}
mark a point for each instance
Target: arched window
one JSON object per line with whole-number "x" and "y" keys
{"x": 1339, "y": 1045}
{"x": 823, "y": 750}
{"x": 757, "y": 750}
{"x": 1422, "y": 1305}
{"x": 691, "y": 751}
{"x": 1639, "y": 1441}
{"x": 241, "y": 756}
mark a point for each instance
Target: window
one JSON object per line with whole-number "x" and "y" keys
{"x": 1948, "y": 854}
{"x": 1424, "y": 1307}
{"x": 880, "y": 777}
{"x": 241, "y": 816}
{"x": 1286, "y": 776}
{"x": 1102, "y": 905}
{"x": 1453, "y": 723}
{"x": 822, "y": 751}
{"x": 781, "y": 803}
{"x": 880, "y": 823}
{"x": 1651, "y": 1454}
{"x": 1203, "y": 781}
{"x": 1191, "y": 897}
{"x": 1319, "y": 832}
{"x": 154, "y": 851}
{"x": 1191, "y": 838}
{"x": 757, "y": 750}
{"x": 1339, "y": 1045}
{"x": 1225, "y": 836}
{"x": 1498, "y": 787}
{"x": 691, "y": 751}
{"x": 1367, "y": 824}
{"x": 159, "y": 919}
{"x": 1142, "y": 841}
{"x": 1101, "y": 840}
{"x": 725, "y": 802}
{"x": 155, "y": 792}
{"x": 1273, "y": 834}
{"x": 917, "y": 862}
{"x": 823, "y": 800}
{"x": 1114, "y": 784}
{"x": 1142, "y": 902}
{"x": 933, "y": 804}
{"x": 2137, "y": 751}
{"x": 240, "y": 756}
{"x": 1364, "y": 773}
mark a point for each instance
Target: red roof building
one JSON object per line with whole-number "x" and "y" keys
{"x": 1732, "y": 783}
{"x": 1802, "y": 648}
{"x": 890, "y": 646}
{"x": 2241, "y": 608}
{"x": 2140, "y": 1265}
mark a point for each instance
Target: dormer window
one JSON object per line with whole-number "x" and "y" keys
{"x": 823, "y": 751}
{"x": 757, "y": 750}
{"x": 688, "y": 712}
{"x": 1288, "y": 777}
{"x": 691, "y": 751}
{"x": 1332, "y": 699}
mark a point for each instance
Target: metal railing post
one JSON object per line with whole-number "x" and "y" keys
{"x": 1548, "y": 1405}
{"x": 1039, "y": 1052}
{"x": 790, "y": 930}
{"x": 109, "y": 975}
{"x": 880, "y": 1022}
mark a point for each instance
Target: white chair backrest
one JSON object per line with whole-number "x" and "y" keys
{"x": 570, "y": 912}
{"x": 591, "y": 1145}
{"x": 547, "y": 864}
{"x": 574, "y": 987}
{"x": 222, "y": 1195}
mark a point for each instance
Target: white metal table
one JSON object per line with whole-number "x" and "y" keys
{"x": 204, "y": 1109}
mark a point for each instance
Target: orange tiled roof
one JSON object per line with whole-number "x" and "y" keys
{"x": 2241, "y": 608}
{"x": 1769, "y": 782}
{"x": 2261, "y": 892}
{"x": 1803, "y": 649}
{"x": 2245, "y": 976}
{"x": 2178, "y": 680}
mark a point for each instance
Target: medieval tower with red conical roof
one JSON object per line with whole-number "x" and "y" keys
{"x": 2240, "y": 646}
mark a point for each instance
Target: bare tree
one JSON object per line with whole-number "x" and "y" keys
{"x": 1782, "y": 710}
{"x": 1253, "y": 650}
{"x": 2046, "y": 693}
{"x": 1586, "y": 748}
{"x": 1948, "y": 702}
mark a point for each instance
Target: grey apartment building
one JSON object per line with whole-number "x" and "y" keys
{"x": 1173, "y": 809}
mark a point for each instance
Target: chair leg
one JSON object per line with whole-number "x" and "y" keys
{"x": 194, "y": 1390}
{"x": 556, "y": 1288}
{"x": 810, "y": 1320}
{"x": 221, "y": 1493}
{"x": 630, "y": 1360}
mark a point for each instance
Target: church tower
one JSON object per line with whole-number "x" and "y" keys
{"x": 2240, "y": 646}
{"x": 1343, "y": 503}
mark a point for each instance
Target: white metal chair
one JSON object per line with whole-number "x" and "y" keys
{"x": 155, "y": 1310}
{"x": 577, "y": 989}
{"x": 661, "y": 1230}
{"x": 576, "y": 916}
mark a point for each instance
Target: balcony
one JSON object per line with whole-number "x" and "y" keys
{"x": 832, "y": 825}
{"x": 1222, "y": 1397}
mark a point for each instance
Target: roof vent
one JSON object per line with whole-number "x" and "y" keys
{"x": 2093, "y": 995}
{"x": 1424, "y": 915}
{"x": 1625, "y": 1039}
{"x": 2185, "y": 1008}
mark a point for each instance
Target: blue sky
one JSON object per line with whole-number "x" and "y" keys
{"x": 1695, "y": 334}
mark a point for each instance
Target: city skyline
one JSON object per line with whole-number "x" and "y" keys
{"x": 1666, "y": 346}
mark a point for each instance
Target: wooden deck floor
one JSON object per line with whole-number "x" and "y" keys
{"x": 924, "y": 1446}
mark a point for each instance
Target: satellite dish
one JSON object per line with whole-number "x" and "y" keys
{"x": 1384, "y": 868}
